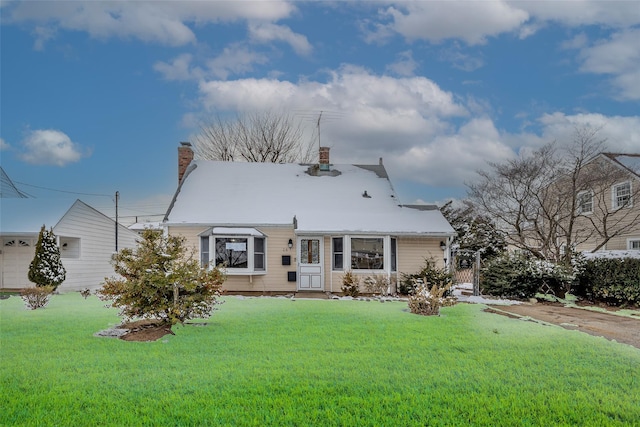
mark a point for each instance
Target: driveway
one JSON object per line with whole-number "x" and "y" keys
{"x": 612, "y": 327}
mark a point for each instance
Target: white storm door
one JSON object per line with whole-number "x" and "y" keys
{"x": 310, "y": 259}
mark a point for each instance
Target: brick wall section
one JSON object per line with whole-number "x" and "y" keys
{"x": 185, "y": 156}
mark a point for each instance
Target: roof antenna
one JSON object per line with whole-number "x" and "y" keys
{"x": 319, "y": 118}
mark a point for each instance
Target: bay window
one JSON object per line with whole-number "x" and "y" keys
{"x": 239, "y": 251}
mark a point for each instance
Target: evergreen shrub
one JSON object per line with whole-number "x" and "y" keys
{"x": 614, "y": 281}
{"x": 429, "y": 274}
{"x": 161, "y": 279}
{"x": 519, "y": 277}
{"x": 46, "y": 268}
{"x": 350, "y": 284}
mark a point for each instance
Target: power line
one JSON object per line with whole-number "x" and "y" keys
{"x": 63, "y": 191}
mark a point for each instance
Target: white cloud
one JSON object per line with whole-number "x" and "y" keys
{"x": 425, "y": 134}
{"x": 235, "y": 59}
{"x": 471, "y": 21}
{"x": 264, "y": 32}
{"x": 351, "y": 90}
{"x": 617, "y": 14}
{"x": 622, "y": 133}
{"x": 460, "y": 60}
{"x": 618, "y": 56}
{"x": 405, "y": 65}
{"x": 475, "y": 21}
{"x": 452, "y": 158}
{"x": 179, "y": 68}
{"x": 158, "y": 22}
{"x": 4, "y": 145}
{"x": 50, "y": 147}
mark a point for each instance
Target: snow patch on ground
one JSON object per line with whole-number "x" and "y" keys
{"x": 462, "y": 296}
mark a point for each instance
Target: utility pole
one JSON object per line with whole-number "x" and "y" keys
{"x": 117, "y": 197}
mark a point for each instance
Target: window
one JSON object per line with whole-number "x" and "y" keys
{"x": 621, "y": 195}
{"x": 69, "y": 247}
{"x": 585, "y": 202}
{"x": 231, "y": 252}
{"x": 367, "y": 253}
{"x": 338, "y": 253}
{"x": 258, "y": 254}
{"x": 309, "y": 251}
{"x": 239, "y": 250}
{"x": 204, "y": 251}
{"x": 13, "y": 242}
{"x": 633, "y": 244}
{"x": 394, "y": 256}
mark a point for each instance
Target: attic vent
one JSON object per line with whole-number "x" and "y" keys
{"x": 366, "y": 195}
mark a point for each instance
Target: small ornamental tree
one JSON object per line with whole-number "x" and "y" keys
{"x": 46, "y": 269}
{"x": 162, "y": 280}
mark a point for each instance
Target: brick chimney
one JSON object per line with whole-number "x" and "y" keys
{"x": 185, "y": 156}
{"x": 323, "y": 158}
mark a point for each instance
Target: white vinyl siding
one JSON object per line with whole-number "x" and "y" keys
{"x": 95, "y": 235}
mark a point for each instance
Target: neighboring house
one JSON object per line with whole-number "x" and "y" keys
{"x": 139, "y": 227}
{"x": 609, "y": 209}
{"x": 292, "y": 227}
{"x": 86, "y": 237}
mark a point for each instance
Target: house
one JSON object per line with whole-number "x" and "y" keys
{"x": 86, "y": 237}
{"x": 280, "y": 228}
{"x": 609, "y": 204}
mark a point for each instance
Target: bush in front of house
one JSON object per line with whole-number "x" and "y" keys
{"x": 519, "y": 277}
{"x": 427, "y": 301}
{"x": 377, "y": 284}
{"x": 161, "y": 279}
{"x": 614, "y": 281}
{"x": 37, "y": 297}
{"x": 350, "y": 284}
{"x": 430, "y": 275}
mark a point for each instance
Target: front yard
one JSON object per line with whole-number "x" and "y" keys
{"x": 273, "y": 361}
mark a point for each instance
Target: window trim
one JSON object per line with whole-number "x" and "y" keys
{"x": 631, "y": 241}
{"x": 229, "y": 233}
{"x": 70, "y": 247}
{"x": 614, "y": 195}
{"x": 385, "y": 246}
{"x": 580, "y": 203}
{"x": 334, "y": 253}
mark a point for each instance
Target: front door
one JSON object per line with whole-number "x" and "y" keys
{"x": 310, "y": 259}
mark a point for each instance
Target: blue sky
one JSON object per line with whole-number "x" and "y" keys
{"x": 96, "y": 96}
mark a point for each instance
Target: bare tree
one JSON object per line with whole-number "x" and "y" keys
{"x": 254, "y": 137}
{"x": 554, "y": 200}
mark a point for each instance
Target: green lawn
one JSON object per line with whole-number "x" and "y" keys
{"x": 268, "y": 361}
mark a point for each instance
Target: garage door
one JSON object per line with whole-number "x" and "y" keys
{"x": 15, "y": 259}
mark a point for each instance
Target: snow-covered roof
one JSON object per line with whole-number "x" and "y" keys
{"x": 140, "y": 226}
{"x": 629, "y": 161}
{"x": 349, "y": 198}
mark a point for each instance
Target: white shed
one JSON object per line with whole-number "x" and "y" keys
{"x": 87, "y": 240}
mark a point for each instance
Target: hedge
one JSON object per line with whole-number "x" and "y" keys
{"x": 614, "y": 281}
